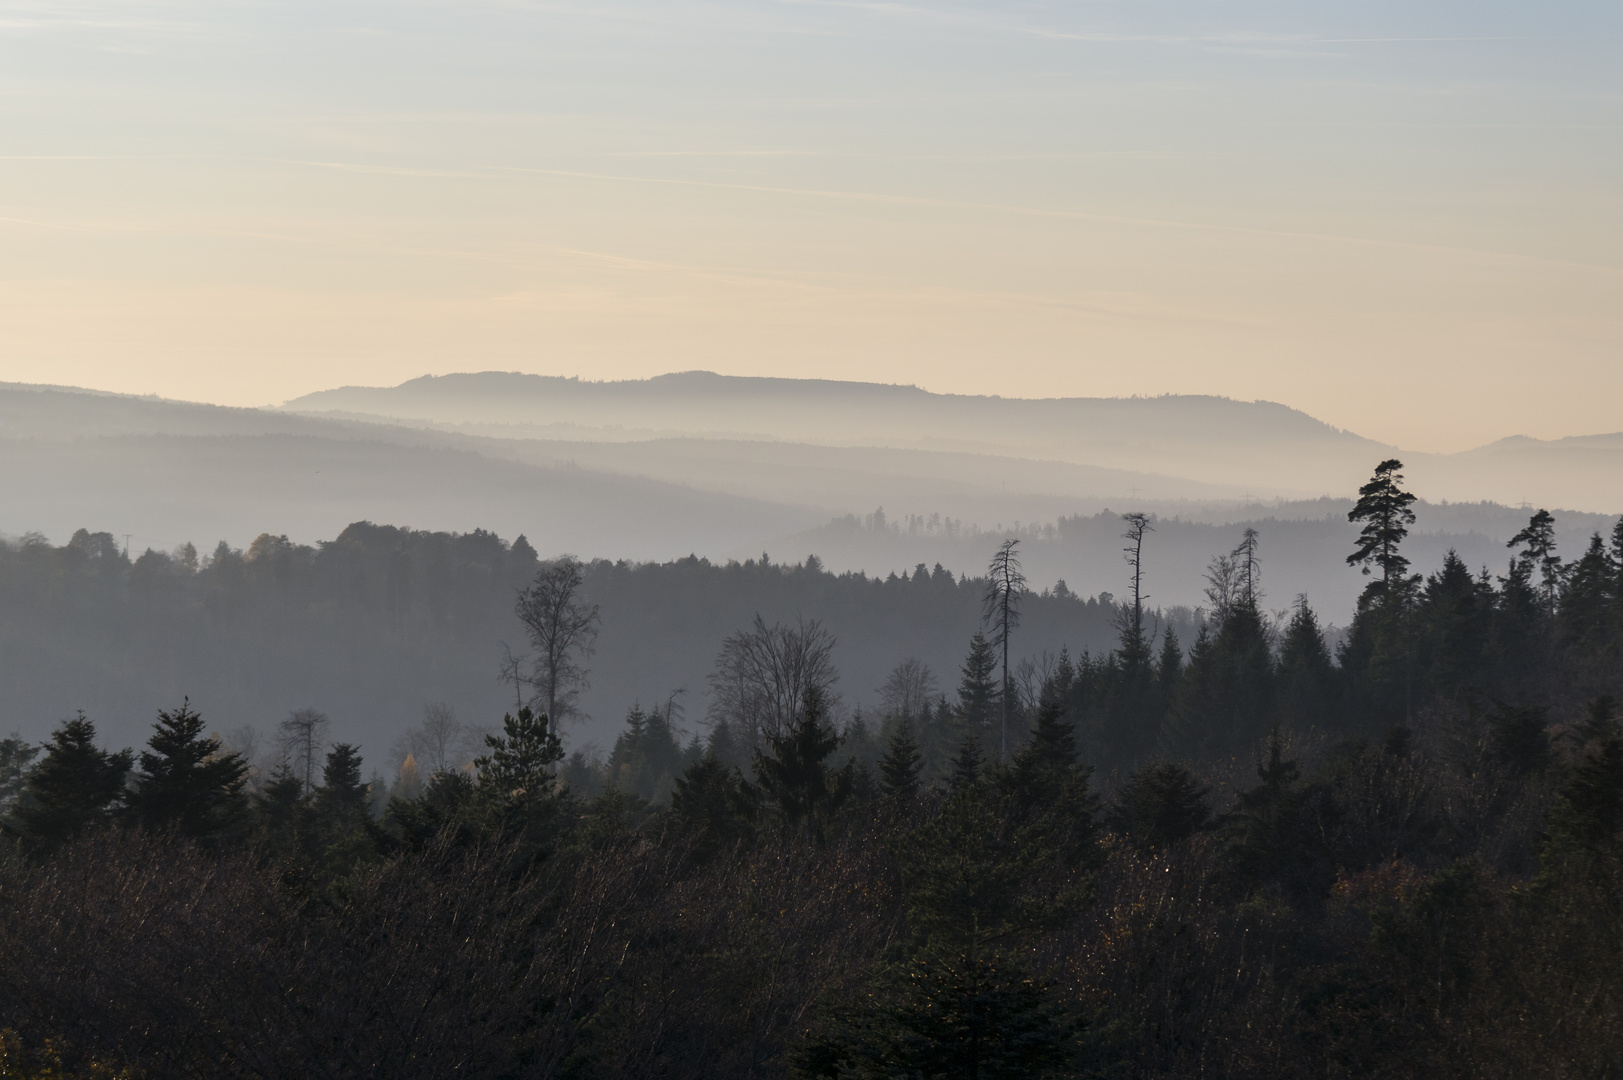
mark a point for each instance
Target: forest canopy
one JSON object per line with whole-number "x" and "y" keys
{"x": 1228, "y": 847}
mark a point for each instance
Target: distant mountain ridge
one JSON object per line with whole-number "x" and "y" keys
{"x": 1270, "y": 446}
{"x": 165, "y": 472}
{"x": 1260, "y": 448}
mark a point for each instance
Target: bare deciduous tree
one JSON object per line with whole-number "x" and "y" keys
{"x": 908, "y": 689}
{"x": 764, "y": 674}
{"x": 441, "y": 743}
{"x": 245, "y": 742}
{"x": 562, "y": 629}
{"x": 303, "y": 737}
{"x": 1030, "y": 676}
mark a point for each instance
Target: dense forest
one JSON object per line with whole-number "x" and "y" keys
{"x": 1225, "y": 846}
{"x": 379, "y": 622}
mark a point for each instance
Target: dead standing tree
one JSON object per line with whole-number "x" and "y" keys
{"x": 303, "y": 737}
{"x": 1005, "y": 586}
{"x": 563, "y": 630}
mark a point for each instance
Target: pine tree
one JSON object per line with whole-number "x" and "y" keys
{"x": 188, "y": 782}
{"x": 1384, "y": 507}
{"x": 1538, "y": 543}
{"x": 520, "y": 770}
{"x": 899, "y": 768}
{"x": 76, "y": 785}
{"x": 1005, "y": 587}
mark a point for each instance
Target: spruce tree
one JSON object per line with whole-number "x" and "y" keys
{"x": 1587, "y": 817}
{"x": 1306, "y": 675}
{"x": 1454, "y": 625}
{"x": 342, "y": 794}
{"x": 899, "y": 768}
{"x": 711, "y": 802}
{"x": 795, "y": 781}
{"x": 978, "y": 693}
{"x": 1586, "y": 603}
{"x": 1161, "y": 805}
{"x": 77, "y": 784}
{"x": 1170, "y": 665}
{"x": 966, "y": 767}
{"x": 1053, "y": 739}
{"x": 279, "y": 806}
{"x": 187, "y": 781}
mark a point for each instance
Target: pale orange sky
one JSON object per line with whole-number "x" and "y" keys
{"x": 1407, "y": 224}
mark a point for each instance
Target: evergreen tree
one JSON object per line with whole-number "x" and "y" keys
{"x": 1588, "y": 813}
{"x": 795, "y": 782}
{"x": 520, "y": 769}
{"x": 960, "y": 1000}
{"x": 1454, "y": 620}
{"x": 1054, "y": 737}
{"x": 1225, "y": 702}
{"x": 75, "y": 785}
{"x": 966, "y": 767}
{"x": 1538, "y": 549}
{"x": 1517, "y": 737}
{"x": 1586, "y": 602}
{"x": 1278, "y": 828}
{"x": 979, "y": 699}
{"x": 1306, "y": 675}
{"x": 279, "y": 804}
{"x": 1384, "y": 508}
{"x": 900, "y": 767}
{"x": 1161, "y": 805}
{"x": 342, "y": 795}
{"x": 187, "y": 781}
{"x": 1005, "y": 587}
{"x": 711, "y": 800}
{"x": 1169, "y": 667}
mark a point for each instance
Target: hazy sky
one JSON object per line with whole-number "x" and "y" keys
{"x": 1403, "y": 217}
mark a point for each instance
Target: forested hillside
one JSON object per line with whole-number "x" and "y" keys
{"x": 1225, "y": 846}
{"x": 380, "y": 622}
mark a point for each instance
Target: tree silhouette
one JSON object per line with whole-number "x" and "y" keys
{"x": 1005, "y": 585}
{"x": 187, "y": 780}
{"x": 76, "y": 785}
{"x": 1384, "y": 508}
{"x": 563, "y": 629}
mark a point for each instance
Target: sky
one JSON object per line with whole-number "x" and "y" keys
{"x": 1405, "y": 218}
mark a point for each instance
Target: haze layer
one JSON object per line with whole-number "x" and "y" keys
{"x": 1402, "y": 219}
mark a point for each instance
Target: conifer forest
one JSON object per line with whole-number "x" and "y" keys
{"x": 1224, "y": 842}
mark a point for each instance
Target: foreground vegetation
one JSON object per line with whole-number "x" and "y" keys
{"x": 1249, "y": 860}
